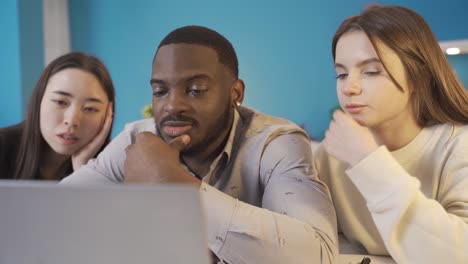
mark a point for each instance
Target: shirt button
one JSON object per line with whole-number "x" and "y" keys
{"x": 282, "y": 241}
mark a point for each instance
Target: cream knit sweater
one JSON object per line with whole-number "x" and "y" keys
{"x": 412, "y": 203}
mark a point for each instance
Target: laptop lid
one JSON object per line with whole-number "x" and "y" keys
{"x": 47, "y": 223}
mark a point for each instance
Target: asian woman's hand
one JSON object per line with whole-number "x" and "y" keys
{"x": 347, "y": 140}
{"x": 87, "y": 152}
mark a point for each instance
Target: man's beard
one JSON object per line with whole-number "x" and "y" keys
{"x": 224, "y": 122}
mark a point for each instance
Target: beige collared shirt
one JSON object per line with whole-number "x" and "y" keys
{"x": 262, "y": 202}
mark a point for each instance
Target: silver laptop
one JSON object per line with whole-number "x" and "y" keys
{"x": 46, "y": 223}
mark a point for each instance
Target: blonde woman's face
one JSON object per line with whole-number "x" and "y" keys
{"x": 72, "y": 110}
{"x": 365, "y": 89}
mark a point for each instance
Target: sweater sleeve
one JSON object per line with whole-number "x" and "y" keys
{"x": 415, "y": 228}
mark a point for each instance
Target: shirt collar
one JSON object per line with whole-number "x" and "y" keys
{"x": 223, "y": 158}
{"x": 230, "y": 140}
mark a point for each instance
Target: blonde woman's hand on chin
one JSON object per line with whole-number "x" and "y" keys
{"x": 347, "y": 140}
{"x": 87, "y": 152}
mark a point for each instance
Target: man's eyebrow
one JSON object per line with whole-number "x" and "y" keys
{"x": 199, "y": 76}
{"x": 156, "y": 81}
{"x": 361, "y": 63}
{"x": 189, "y": 78}
{"x": 67, "y": 94}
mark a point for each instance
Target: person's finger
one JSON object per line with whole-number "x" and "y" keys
{"x": 180, "y": 143}
{"x": 110, "y": 111}
{"x": 129, "y": 148}
{"x": 96, "y": 143}
{"x": 336, "y": 114}
{"x": 145, "y": 137}
{"x": 107, "y": 124}
{"x": 109, "y": 118}
{"x": 326, "y": 139}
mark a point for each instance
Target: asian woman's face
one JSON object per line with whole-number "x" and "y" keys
{"x": 73, "y": 110}
{"x": 364, "y": 87}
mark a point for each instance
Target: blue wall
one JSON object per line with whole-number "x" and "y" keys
{"x": 22, "y": 56}
{"x": 283, "y": 48}
{"x": 460, "y": 65}
{"x": 31, "y": 46}
{"x": 10, "y": 106}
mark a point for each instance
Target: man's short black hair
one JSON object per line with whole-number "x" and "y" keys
{"x": 208, "y": 38}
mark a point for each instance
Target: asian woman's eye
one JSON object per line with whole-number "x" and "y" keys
{"x": 60, "y": 102}
{"x": 91, "y": 109}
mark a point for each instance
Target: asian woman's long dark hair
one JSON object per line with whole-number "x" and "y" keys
{"x": 32, "y": 144}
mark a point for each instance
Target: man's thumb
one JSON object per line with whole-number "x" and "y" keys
{"x": 180, "y": 142}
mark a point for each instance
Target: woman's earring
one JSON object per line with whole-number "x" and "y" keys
{"x": 238, "y": 103}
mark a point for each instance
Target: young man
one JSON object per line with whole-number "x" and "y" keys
{"x": 254, "y": 172}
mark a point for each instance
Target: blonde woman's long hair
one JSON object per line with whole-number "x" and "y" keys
{"x": 437, "y": 95}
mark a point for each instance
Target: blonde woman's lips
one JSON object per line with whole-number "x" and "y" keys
{"x": 354, "y": 108}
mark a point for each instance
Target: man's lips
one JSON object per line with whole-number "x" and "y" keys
{"x": 176, "y": 128}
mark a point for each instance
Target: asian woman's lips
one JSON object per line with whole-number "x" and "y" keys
{"x": 176, "y": 128}
{"x": 355, "y": 108}
{"x": 67, "y": 138}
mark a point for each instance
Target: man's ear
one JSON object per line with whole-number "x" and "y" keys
{"x": 237, "y": 92}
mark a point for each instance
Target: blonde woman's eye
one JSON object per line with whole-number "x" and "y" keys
{"x": 372, "y": 73}
{"x": 341, "y": 76}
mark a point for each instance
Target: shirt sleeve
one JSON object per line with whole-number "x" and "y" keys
{"x": 296, "y": 223}
{"x": 107, "y": 167}
{"x": 414, "y": 228}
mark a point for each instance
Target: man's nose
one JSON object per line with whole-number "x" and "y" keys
{"x": 175, "y": 103}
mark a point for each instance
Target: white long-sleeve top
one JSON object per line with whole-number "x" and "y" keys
{"x": 411, "y": 203}
{"x": 262, "y": 202}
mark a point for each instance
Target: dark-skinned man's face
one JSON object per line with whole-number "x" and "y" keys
{"x": 191, "y": 95}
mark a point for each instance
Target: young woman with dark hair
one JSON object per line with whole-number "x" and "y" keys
{"x": 68, "y": 121}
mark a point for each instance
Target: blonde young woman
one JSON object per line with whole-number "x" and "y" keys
{"x": 396, "y": 158}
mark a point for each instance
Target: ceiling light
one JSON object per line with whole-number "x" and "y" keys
{"x": 452, "y": 51}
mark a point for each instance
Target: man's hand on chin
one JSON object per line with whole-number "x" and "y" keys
{"x": 151, "y": 160}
